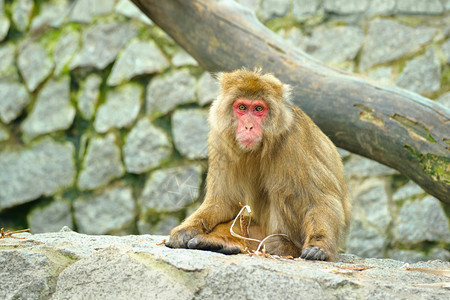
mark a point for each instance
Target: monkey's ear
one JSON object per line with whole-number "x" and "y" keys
{"x": 287, "y": 92}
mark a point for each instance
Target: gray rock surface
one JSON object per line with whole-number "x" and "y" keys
{"x": 146, "y": 146}
{"x": 43, "y": 169}
{"x": 101, "y": 43}
{"x": 120, "y": 109}
{"x": 421, "y": 74}
{"x": 251, "y": 4}
{"x": 336, "y": 44}
{"x": 182, "y": 58}
{"x": 102, "y": 163}
{"x": 388, "y": 40}
{"x": 365, "y": 239}
{"x": 408, "y": 191}
{"x": 385, "y": 7}
{"x": 111, "y": 212}
{"x": 66, "y": 48}
{"x": 85, "y": 10}
{"x": 420, "y": 221}
{"x": 190, "y": 132}
{"x": 14, "y": 98}
{"x": 35, "y": 64}
{"x": 8, "y": 70}
{"x": 445, "y": 99}
{"x": 165, "y": 92}
{"x": 207, "y": 89}
{"x": 446, "y": 48}
{"x": 89, "y": 95}
{"x": 21, "y": 13}
{"x": 164, "y": 225}
{"x": 127, "y": 8}
{"x": 346, "y": 6}
{"x": 138, "y": 58}
{"x": 68, "y": 265}
{"x": 51, "y": 217}
{"x": 420, "y": 6}
{"x": 168, "y": 190}
{"x": 302, "y": 8}
{"x": 52, "y": 13}
{"x": 360, "y": 167}
{"x": 52, "y": 110}
{"x": 270, "y": 9}
{"x": 382, "y": 75}
{"x": 4, "y": 21}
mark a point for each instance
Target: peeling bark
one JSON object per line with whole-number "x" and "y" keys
{"x": 395, "y": 127}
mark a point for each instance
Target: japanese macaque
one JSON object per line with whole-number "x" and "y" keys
{"x": 267, "y": 153}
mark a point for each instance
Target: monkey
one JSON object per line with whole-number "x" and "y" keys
{"x": 265, "y": 152}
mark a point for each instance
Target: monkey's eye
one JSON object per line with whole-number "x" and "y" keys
{"x": 259, "y": 108}
{"x": 242, "y": 107}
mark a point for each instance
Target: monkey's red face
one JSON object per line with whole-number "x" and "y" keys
{"x": 250, "y": 114}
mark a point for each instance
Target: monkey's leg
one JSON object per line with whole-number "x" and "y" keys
{"x": 322, "y": 226}
{"x": 282, "y": 246}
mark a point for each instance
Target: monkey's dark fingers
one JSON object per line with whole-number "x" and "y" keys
{"x": 179, "y": 237}
{"x": 201, "y": 242}
{"x": 314, "y": 253}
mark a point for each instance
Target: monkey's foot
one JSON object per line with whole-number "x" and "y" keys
{"x": 180, "y": 236}
{"x": 281, "y": 246}
{"x": 214, "y": 243}
{"x": 314, "y": 253}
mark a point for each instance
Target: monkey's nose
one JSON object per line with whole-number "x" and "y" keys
{"x": 249, "y": 126}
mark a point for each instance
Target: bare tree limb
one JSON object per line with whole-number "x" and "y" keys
{"x": 395, "y": 127}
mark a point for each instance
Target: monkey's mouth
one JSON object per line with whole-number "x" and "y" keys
{"x": 249, "y": 142}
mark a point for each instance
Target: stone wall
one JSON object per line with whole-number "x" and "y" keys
{"x": 103, "y": 117}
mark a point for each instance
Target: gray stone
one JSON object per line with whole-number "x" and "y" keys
{"x": 111, "y": 212}
{"x": 101, "y": 43}
{"x": 295, "y": 38}
{"x": 412, "y": 256}
{"x": 138, "y": 58}
{"x": 165, "y": 92}
{"x": 388, "y": 40}
{"x": 336, "y": 44}
{"x": 364, "y": 240}
{"x": 302, "y": 8}
{"x": 14, "y": 98}
{"x": 372, "y": 205}
{"x": 421, "y": 74}
{"x": 28, "y": 275}
{"x": 446, "y": 48}
{"x": 139, "y": 267}
{"x": 4, "y": 135}
{"x": 361, "y": 167}
{"x": 4, "y": 21}
{"x": 207, "y": 89}
{"x": 382, "y": 75}
{"x": 127, "y": 8}
{"x": 44, "y": 169}
{"x": 250, "y": 4}
{"x": 345, "y": 7}
{"x": 146, "y": 146}
{"x": 85, "y": 10}
{"x": 169, "y": 190}
{"x": 89, "y": 95}
{"x": 190, "y": 132}
{"x": 8, "y": 70}
{"x": 420, "y": 221}
{"x": 407, "y": 191}
{"x": 66, "y": 48}
{"x": 52, "y": 110}
{"x": 52, "y": 13}
{"x": 120, "y": 109}
{"x": 182, "y": 58}
{"x": 51, "y": 217}
{"x": 431, "y": 7}
{"x": 22, "y": 11}
{"x": 164, "y": 226}
{"x": 35, "y": 64}
{"x": 445, "y": 99}
{"x": 382, "y": 7}
{"x": 270, "y": 9}
{"x": 101, "y": 164}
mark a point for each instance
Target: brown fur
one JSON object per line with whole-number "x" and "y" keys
{"x": 293, "y": 180}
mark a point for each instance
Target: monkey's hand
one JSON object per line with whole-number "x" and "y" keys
{"x": 181, "y": 235}
{"x": 314, "y": 253}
